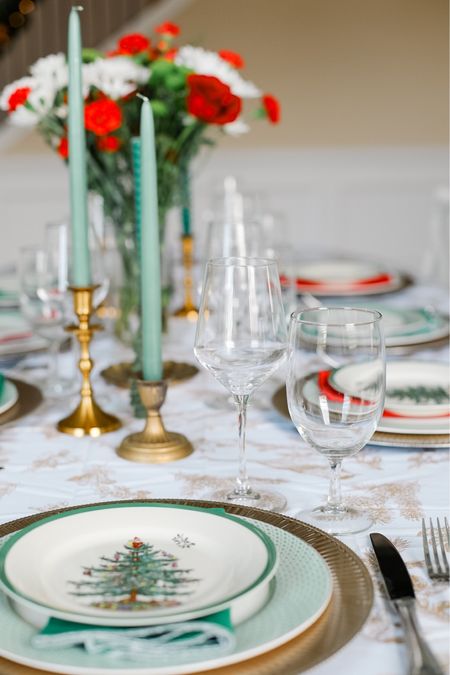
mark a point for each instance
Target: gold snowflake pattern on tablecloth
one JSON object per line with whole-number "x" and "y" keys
{"x": 96, "y": 477}
{"x": 49, "y": 506}
{"x": 54, "y": 459}
{"x": 369, "y": 459}
{"x": 7, "y": 488}
{"x": 106, "y": 487}
{"x": 383, "y": 502}
{"x": 426, "y": 457}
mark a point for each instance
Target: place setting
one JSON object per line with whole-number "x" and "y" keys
{"x": 262, "y": 607}
{"x": 236, "y": 451}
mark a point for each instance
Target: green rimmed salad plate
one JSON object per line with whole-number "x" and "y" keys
{"x": 137, "y": 565}
{"x": 8, "y": 394}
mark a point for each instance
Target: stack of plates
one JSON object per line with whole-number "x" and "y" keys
{"x": 275, "y": 584}
{"x": 346, "y": 278}
{"x": 16, "y": 338}
{"x": 9, "y": 299}
{"x": 417, "y": 404}
{"x": 412, "y": 326}
{"x": 409, "y": 329}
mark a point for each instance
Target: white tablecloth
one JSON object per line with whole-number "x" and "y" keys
{"x": 43, "y": 469}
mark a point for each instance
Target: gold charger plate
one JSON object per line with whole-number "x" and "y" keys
{"x": 404, "y": 350}
{"x": 348, "y": 610}
{"x": 423, "y": 441}
{"x": 120, "y": 374}
{"x": 29, "y": 399}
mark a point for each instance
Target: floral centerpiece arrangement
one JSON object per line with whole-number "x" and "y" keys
{"x": 192, "y": 91}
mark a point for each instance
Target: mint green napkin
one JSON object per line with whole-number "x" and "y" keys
{"x": 202, "y": 638}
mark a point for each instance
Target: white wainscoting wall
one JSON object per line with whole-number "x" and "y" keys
{"x": 374, "y": 203}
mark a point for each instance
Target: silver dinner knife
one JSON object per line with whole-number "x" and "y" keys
{"x": 401, "y": 593}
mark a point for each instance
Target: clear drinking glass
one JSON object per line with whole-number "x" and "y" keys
{"x": 241, "y": 339}
{"x": 335, "y": 393}
{"x": 43, "y": 300}
{"x": 232, "y": 235}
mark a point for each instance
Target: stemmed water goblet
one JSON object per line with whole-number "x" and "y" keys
{"x": 241, "y": 339}
{"x": 44, "y": 303}
{"x": 335, "y": 393}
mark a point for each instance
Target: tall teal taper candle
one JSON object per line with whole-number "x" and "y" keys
{"x": 150, "y": 252}
{"x": 136, "y": 160}
{"x": 81, "y": 271}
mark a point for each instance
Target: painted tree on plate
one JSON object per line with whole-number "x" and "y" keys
{"x": 139, "y": 577}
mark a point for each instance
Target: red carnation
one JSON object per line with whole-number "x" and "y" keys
{"x": 170, "y": 54}
{"x": 168, "y": 28}
{"x": 63, "y": 147}
{"x": 108, "y": 143}
{"x": 211, "y": 100}
{"x": 233, "y": 58}
{"x": 18, "y": 97}
{"x": 102, "y": 116}
{"x": 272, "y": 108}
{"x": 133, "y": 43}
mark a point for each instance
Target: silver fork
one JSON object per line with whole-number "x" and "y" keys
{"x": 437, "y": 568}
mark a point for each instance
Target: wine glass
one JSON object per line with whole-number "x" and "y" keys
{"x": 335, "y": 393}
{"x": 43, "y": 300}
{"x": 241, "y": 339}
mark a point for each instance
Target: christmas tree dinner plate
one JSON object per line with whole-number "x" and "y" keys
{"x": 130, "y": 565}
{"x": 416, "y": 389}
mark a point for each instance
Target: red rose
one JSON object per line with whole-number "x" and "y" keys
{"x": 102, "y": 116}
{"x": 233, "y": 58}
{"x": 133, "y": 43}
{"x": 211, "y": 100}
{"x": 63, "y": 147}
{"x": 272, "y": 108}
{"x": 136, "y": 543}
{"x": 108, "y": 143}
{"x": 168, "y": 28}
{"x": 18, "y": 97}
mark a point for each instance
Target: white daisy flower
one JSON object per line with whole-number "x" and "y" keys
{"x": 116, "y": 77}
{"x": 204, "y": 62}
{"x": 236, "y": 128}
{"x": 52, "y": 69}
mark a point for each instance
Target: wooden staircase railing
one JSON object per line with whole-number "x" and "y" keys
{"x": 46, "y": 31}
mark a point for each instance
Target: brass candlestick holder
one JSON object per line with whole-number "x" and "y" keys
{"x": 188, "y": 310}
{"x": 87, "y": 418}
{"x": 154, "y": 444}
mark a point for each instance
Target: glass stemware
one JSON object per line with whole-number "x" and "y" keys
{"x": 43, "y": 300}
{"x": 335, "y": 393}
{"x": 241, "y": 339}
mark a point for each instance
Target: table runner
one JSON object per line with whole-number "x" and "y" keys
{"x": 43, "y": 469}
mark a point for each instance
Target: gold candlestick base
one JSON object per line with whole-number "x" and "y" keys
{"x": 188, "y": 310}
{"x": 87, "y": 418}
{"x": 154, "y": 444}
